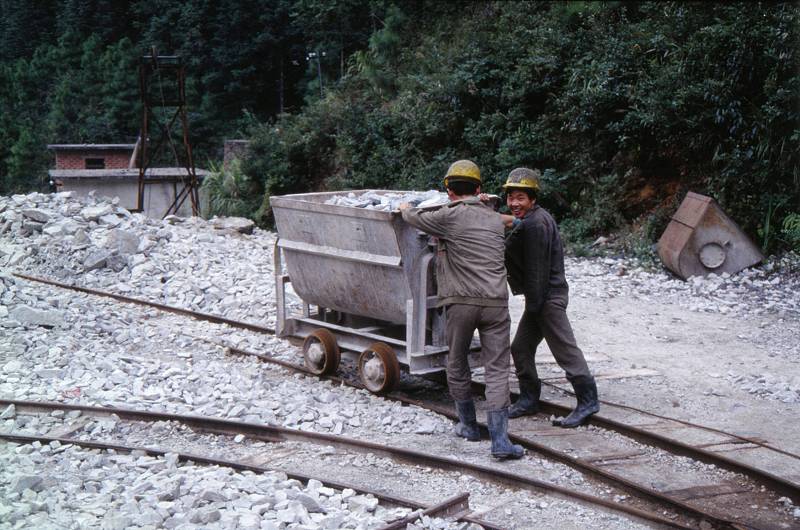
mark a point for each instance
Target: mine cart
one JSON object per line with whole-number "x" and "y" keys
{"x": 367, "y": 284}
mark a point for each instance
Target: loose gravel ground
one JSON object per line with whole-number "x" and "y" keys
{"x": 720, "y": 350}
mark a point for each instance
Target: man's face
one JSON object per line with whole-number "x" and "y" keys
{"x": 519, "y": 203}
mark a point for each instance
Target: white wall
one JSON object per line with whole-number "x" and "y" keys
{"x": 158, "y": 196}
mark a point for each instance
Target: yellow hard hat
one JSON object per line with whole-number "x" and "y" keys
{"x": 524, "y": 178}
{"x": 463, "y": 170}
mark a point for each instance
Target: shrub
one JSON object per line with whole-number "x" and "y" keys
{"x": 230, "y": 192}
{"x": 791, "y": 231}
{"x": 628, "y": 104}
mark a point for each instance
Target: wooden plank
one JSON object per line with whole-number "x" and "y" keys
{"x": 634, "y": 372}
{"x": 542, "y": 430}
{"x": 727, "y": 442}
{"x": 700, "y": 492}
{"x": 613, "y": 456}
{"x": 274, "y": 455}
{"x": 732, "y": 449}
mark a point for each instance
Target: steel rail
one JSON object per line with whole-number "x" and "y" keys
{"x": 774, "y": 482}
{"x": 782, "y": 486}
{"x": 671, "y": 445}
{"x": 275, "y": 434}
{"x": 163, "y": 307}
{"x": 596, "y": 419}
{"x": 631, "y": 487}
{"x": 455, "y": 506}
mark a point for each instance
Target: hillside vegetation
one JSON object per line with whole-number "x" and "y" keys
{"x": 624, "y": 105}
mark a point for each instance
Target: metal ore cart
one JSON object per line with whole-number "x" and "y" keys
{"x": 368, "y": 277}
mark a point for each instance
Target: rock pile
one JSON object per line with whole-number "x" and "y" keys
{"x": 59, "y": 346}
{"x": 771, "y": 288}
{"x": 775, "y": 387}
{"x": 191, "y": 263}
{"x": 42, "y": 484}
{"x": 213, "y": 266}
{"x": 389, "y": 201}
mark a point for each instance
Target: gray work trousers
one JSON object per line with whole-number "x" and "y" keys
{"x": 494, "y": 326}
{"x": 552, "y": 325}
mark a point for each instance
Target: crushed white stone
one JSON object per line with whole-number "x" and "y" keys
{"x": 55, "y": 486}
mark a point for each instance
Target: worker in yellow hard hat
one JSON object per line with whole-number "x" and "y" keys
{"x": 471, "y": 282}
{"x": 535, "y": 265}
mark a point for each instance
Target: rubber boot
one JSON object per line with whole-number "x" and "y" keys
{"x": 528, "y": 402}
{"x": 586, "y": 392}
{"x": 467, "y": 426}
{"x": 502, "y": 448}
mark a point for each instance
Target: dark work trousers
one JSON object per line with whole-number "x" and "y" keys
{"x": 494, "y": 327}
{"x": 552, "y": 325}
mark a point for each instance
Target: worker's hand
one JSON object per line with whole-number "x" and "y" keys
{"x": 404, "y": 206}
{"x": 508, "y": 220}
{"x": 492, "y": 201}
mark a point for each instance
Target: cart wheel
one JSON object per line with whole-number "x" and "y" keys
{"x": 321, "y": 353}
{"x": 378, "y": 368}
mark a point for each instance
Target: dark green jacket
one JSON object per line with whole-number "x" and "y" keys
{"x": 535, "y": 259}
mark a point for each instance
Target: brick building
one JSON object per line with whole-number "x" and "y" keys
{"x": 111, "y": 170}
{"x": 94, "y": 156}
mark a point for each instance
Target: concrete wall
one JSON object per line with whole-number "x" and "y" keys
{"x": 158, "y": 196}
{"x": 77, "y": 159}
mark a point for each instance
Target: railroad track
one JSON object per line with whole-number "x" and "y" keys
{"x": 275, "y": 434}
{"x": 455, "y": 507}
{"x": 635, "y": 459}
{"x": 631, "y": 469}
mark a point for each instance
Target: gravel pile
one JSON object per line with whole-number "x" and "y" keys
{"x": 775, "y": 387}
{"x": 224, "y": 267}
{"x": 64, "y": 486}
{"x": 770, "y": 288}
{"x": 215, "y": 266}
{"x": 388, "y": 202}
{"x": 212, "y": 266}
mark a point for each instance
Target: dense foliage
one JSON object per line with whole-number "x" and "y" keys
{"x": 625, "y": 105}
{"x": 69, "y": 68}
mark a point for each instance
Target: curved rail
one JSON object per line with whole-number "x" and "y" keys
{"x": 627, "y": 485}
{"x": 453, "y": 505}
{"x": 275, "y": 434}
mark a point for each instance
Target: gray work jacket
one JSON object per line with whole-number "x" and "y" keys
{"x": 470, "y": 265}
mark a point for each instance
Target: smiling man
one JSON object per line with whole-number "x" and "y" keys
{"x": 535, "y": 265}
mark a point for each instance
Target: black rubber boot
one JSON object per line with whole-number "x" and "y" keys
{"x": 586, "y": 392}
{"x": 502, "y": 448}
{"x": 528, "y": 402}
{"x": 467, "y": 426}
